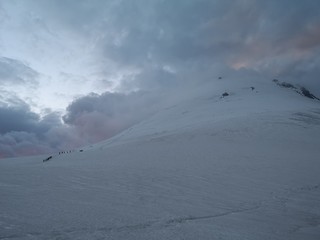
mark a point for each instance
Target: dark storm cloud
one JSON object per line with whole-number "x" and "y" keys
{"x": 186, "y": 35}
{"x": 16, "y": 116}
{"x": 148, "y": 35}
{"x": 23, "y": 132}
{"x": 89, "y": 119}
{"x": 179, "y": 31}
{"x": 99, "y": 116}
{"x": 21, "y": 143}
{"x": 17, "y": 119}
{"x": 14, "y": 72}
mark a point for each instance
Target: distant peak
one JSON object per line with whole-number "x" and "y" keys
{"x": 298, "y": 89}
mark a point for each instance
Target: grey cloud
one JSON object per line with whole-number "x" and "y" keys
{"x": 3, "y": 14}
{"x": 148, "y": 35}
{"x": 97, "y": 117}
{"x": 75, "y": 14}
{"x": 251, "y": 34}
{"x": 18, "y": 119}
{"x": 89, "y": 119}
{"x": 13, "y": 72}
{"x": 16, "y": 116}
{"x": 21, "y": 143}
{"x": 23, "y": 132}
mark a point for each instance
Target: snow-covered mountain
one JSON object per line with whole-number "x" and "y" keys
{"x": 235, "y": 159}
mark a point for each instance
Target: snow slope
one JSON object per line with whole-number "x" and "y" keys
{"x": 245, "y": 166}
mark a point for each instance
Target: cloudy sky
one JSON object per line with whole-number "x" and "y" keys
{"x": 74, "y": 72}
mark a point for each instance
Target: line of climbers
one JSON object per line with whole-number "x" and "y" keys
{"x": 63, "y": 152}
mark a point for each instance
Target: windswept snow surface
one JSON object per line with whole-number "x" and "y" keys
{"x": 246, "y": 166}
